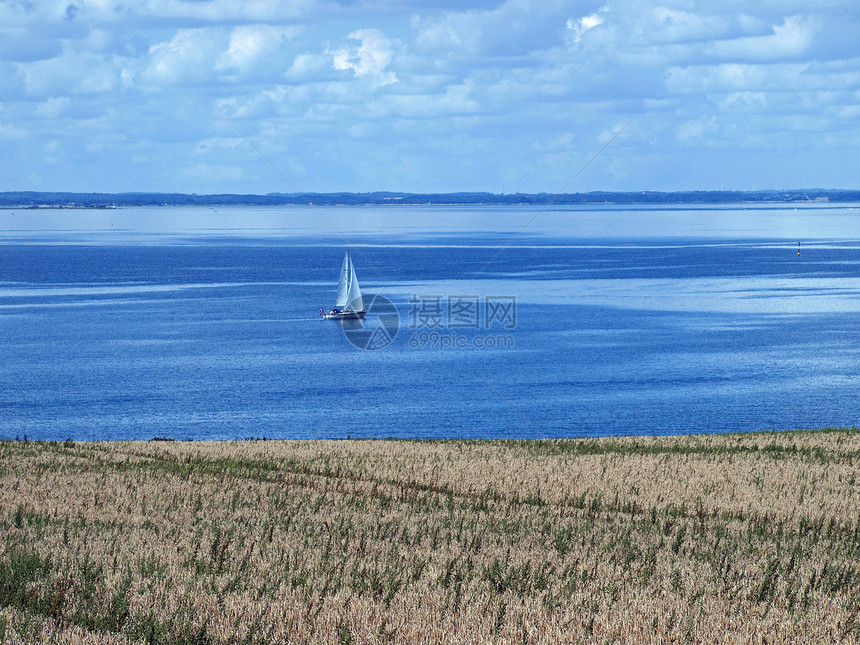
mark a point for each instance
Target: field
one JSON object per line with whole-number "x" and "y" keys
{"x": 718, "y": 539}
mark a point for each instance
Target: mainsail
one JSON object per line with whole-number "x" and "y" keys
{"x": 348, "y": 294}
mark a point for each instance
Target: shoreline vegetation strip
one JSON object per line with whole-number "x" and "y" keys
{"x": 708, "y": 538}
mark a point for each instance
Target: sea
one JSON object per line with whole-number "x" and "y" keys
{"x": 483, "y": 321}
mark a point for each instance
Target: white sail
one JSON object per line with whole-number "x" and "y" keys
{"x": 343, "y": 283}
{"x": 353, "y": 295}
{"x": 348, "y": 294}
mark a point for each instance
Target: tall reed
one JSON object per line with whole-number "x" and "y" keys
{"x": 723, "y": 538}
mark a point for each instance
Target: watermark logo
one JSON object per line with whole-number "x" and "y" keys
{"x": 379, "y": 327}
{"x": 446, "y": 322}
{"x": 437, "y": 322}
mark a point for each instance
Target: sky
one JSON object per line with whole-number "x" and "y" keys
{"x": 223, "y": 96}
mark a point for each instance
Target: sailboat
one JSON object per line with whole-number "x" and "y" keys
{"x": 348, "y": 302}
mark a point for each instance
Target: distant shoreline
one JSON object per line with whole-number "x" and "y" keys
{"x": 36, "y": 200}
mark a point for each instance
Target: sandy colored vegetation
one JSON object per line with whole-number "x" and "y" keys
{"x": 716, "y": 539}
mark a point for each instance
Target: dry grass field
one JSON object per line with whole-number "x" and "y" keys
{"x": 716, "y": 539}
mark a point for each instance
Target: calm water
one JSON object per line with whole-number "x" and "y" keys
{"x": 201, "y": 323}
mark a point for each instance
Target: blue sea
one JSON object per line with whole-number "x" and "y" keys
{"x": 510, "y": 322}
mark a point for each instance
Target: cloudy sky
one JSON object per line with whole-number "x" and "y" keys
{"x": 431, "y": 95}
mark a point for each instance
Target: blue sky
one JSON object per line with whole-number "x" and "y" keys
{"x": 430, "y": 96}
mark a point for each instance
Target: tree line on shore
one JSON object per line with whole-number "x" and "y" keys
{"x": 35, "y": 199}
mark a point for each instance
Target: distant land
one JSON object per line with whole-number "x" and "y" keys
{"x": 115, "y": 200}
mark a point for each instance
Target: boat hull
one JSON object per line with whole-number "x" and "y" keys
{"x": 344, "y": 315}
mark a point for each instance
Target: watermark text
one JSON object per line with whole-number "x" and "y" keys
{"x": 453, "y": 340}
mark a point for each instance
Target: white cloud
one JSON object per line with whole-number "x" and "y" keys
{"x": 308, "y": 67}
{"x": 744, "y": 101}
{"x": 53, "y": 107}
{"x": 453, "y": 33}
{"x": 475, "y": 37}
{"x": 17, "y": 43}
{"x": 262, "y": 104}
{"x": 213, "y": 11}
{"x": 733, "y": 77}
{"x": 789, "y": 40}
{"x": 728, "y": 78}
{"x": 256, "y": 50}
{"x": 11, "y": 132}
{"x": 482, "y": 89}
{"x": 849, "y": 112}
{"x": 75, "y": 72}
{"x": 457, "y": 100}
{"x": 369, "y": 58}
{"x": 696, "y": 128}
{"x": 219, "y": 143}
{"x": 188, "y": 57}
{"x": 666, "y": 25}
{"x": 577, "y": 28}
